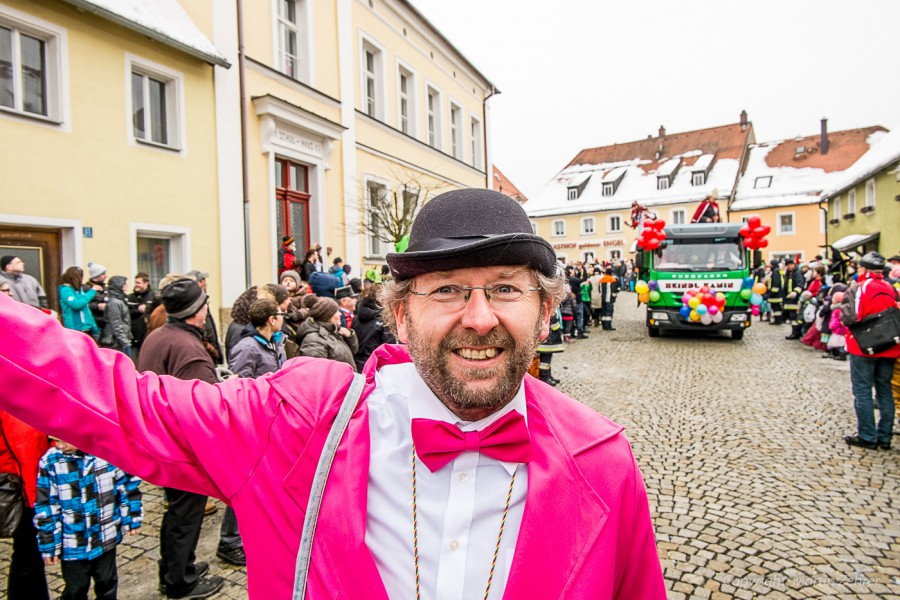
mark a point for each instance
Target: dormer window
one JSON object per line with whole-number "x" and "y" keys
{"x": 576, "y": 186}
{"x": 698, "y": 178}
{"x": 609, "y": 188}
{"x": 662, "y": 183}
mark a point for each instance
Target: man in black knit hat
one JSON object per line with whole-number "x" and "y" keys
{"x": 177, "y": 349}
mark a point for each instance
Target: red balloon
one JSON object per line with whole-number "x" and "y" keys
{"x": 653, "y": 244}
{"x": 753, "y": 222}
{"x": 704, "y": 289}
{"x": 648, "y": 224}
{"x": 660, "y": 235}
{"x": 648, "y": 233}
{"x": 659, "y": 224}
{"x": 759, "y": 232}
{"x": 751, "y": 243}
{"x": 745, "y": 231}
{"x": 766, "y": 229}
{"x": 763, "y": 243}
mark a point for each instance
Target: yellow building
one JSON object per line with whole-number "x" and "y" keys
{"x": 109, "y": 153}
{"x": 585, "y": 211}
{"x": 783, "y": 182}
{"x": 346, "y": 102}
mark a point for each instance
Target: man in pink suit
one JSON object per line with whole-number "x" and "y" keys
{"x": 458, "y": 476}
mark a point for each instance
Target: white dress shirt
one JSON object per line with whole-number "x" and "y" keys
{"x": 459, "y": 507}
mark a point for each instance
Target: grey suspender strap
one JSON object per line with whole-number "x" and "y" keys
{"x": 318, "y": 485}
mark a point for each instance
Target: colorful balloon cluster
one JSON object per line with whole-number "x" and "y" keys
{"x": 703, "y": 305}
{"x": 753, "y": 292}
{"x": 652, "y": 235}
{"x": 754, "y": 234}
{"x": 647, "y": 291}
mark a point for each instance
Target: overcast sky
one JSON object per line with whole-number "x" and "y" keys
{"x": 585, "y": 73}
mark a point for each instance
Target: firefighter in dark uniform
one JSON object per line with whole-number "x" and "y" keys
{"x": 773, "y": 294}
{"x": 609, "y": 290}
{"x": 793, "y": 283}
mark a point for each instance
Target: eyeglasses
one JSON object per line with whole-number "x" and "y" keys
{"x": 457, "y": 296}
{"x": 7, "y": 290}
{"x": 280, "y": 314}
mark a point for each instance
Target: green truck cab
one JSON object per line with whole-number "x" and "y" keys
{"x": 691, "y": 256}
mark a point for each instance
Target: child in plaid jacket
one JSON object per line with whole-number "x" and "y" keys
{"x": 83, "y": 506}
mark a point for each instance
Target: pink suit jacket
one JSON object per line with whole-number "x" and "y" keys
{"x": 254, "y": 443}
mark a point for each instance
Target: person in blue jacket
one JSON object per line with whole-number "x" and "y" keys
{"x": 74, "y": 303}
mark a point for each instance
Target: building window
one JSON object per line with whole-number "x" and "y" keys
{"x": 785, "y": 224}
{"x": 870, "y": 193}
{"x": 155, "y": 104}
{"x": 609, "y": 188}
{"x": 662, "y": 183}
{"x": 456, "y": 143}
{"x": 762, "y": 182}
{"x": 477, "y": 144}
{"x": 373, "y": 81}
{"x": 434, "y": 118}
{"x": 31, "y": 64}
{"x": 407, "y": 107}
{"x": 678, "y": 217}
{"x": 698, "y": 178}
{"x": 851, "y": 202}
{"x": 615, "y": 224}
{"x": 290, "y": 29}
{"x": 159, "y": 250}
{"x": 292, "y": 201}
{"x": 559, "y": 228}
{"x": 837, "y": 214}
{"x": 615, "y": 255}
{"x": 377, "y": 199}
{"x": 573, "y": 193}
{"x": 587, "y": 226}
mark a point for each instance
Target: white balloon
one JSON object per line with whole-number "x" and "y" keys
{"x": 706, "y": 318}
{"x": 717, "y": 318}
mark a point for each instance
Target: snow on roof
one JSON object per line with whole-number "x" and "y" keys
{"x": 614, "y": 174}
{"x": 885, "y": 149}
{"x": 669, "y": 167}
{"x": 577, "y": 179}
{"x": 773, "y": 177}
{"x": 703, "y": 162}
{"x": 637, "y": 185}
{"x": 162, "y": 20}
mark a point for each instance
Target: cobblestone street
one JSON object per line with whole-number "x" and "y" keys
{"x": 753, "y": 491}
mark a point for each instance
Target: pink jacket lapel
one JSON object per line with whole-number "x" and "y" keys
{"x": 562, "y": 520}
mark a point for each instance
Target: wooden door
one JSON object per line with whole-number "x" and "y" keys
{"x": 40, "y": 250}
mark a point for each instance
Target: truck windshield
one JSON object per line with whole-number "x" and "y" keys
{"x": 698, "y": 256}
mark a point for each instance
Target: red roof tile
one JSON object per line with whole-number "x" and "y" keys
{"x": 726, "y": 141}
{"x": 844, "y": 149}
{"x": 504, "y": 185}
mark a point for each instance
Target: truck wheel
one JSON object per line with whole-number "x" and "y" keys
{"x": 653, "y": 331}
{"x": 737, "y": 334}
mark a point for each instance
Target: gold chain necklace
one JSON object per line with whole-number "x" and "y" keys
{"x": 487, "y": 590}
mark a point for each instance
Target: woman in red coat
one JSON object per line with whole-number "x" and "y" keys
{"x": 20, "y": 451}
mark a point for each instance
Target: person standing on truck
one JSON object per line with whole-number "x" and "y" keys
{"x": 793, "y": 287}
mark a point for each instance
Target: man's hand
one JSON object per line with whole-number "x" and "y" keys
{"x": 142, "y": 308}
{"x": 345, "y": 332}
{"x": 51, "y": 561}
{"x": 102, "y": 306}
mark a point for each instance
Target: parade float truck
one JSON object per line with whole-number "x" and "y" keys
{"x": 697, "y": 277}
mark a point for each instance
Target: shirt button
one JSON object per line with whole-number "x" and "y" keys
{"x": 454, "y": 545}
{"x": 463, "y": 477}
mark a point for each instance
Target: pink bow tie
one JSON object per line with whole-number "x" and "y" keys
{"x": 438, "y": 442}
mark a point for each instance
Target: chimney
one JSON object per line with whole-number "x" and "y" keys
{"x": 823, "y": 143}
{"x": 662, "y": 131}
{"x": 743, "y": 120}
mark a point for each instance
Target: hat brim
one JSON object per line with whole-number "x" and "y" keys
{"x": 446, "y": 254}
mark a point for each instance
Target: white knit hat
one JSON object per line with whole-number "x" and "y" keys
{"x": 95, "y": 270}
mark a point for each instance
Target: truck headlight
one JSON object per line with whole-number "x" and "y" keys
{"x": 660, "y": 316}
{"x": 738, "y": 317}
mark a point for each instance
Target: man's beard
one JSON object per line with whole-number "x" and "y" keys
{"x": 432, "y": 362}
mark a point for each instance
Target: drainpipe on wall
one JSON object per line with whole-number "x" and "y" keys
{"x": 824, "y": 209}
{"x": 487, "y": 167}
{"x": 244, "y": 169}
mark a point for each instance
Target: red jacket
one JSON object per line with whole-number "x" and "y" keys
{"x": 873, "y": 295}
{"x": 29, "y": 445}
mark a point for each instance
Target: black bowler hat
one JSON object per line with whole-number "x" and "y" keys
{"x": 471, "y": 228}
